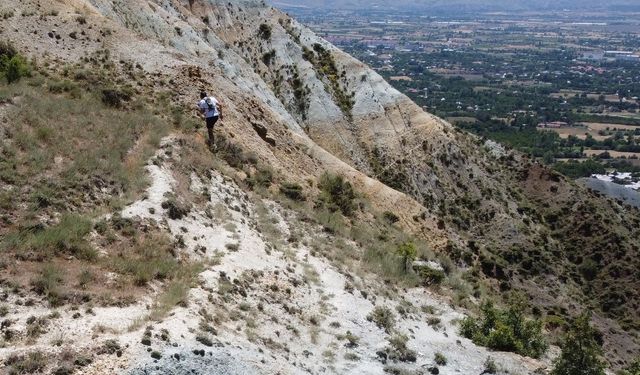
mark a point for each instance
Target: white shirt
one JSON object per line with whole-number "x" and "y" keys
{"x": 209, "y": 111}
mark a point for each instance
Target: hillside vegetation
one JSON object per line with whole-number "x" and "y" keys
{"x": 338, "y": 228}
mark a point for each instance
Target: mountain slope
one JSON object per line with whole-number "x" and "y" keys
{"x": 506, "y": 222}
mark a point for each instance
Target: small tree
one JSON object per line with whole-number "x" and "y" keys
{"x": 580, "y": 351}
{"x": 337, "y": 194}
{"x": 408, "y": 253}
{"x": 264, "y": 31}
{"x": 506, "y": 330}
{"x": 12, "y": 65}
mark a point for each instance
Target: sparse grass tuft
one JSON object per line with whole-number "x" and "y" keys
{"x": 150, "y": 259}
{"x": 440, "y": 359}
{"x": 48, "y": 282}
{"x": 352, "y": 340}
{"x": 30, "y": 363}
{"x": 204, "y": 340}
{"x": 398, "y": 350}
{"x": 490, "y": 366}
{"x": 175, "y": 294}
{"x": 292, "y": 191}
{"x": 39, "y": 242}
{"x": 85, "y": 278}
{"x": 175, "y": 209}
{"x": 383, "y": 317}
{"x": 36, "y": 327}
{"x": 261, "y": 178}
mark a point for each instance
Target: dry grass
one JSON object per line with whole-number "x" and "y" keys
{"x": 149, "y": 259}
{"x": 267, "y": 226}
{"x": 67, "y": 150}
{"x": 36, "y": 242}
{"x": 66, "y": 146}
{"x": 175, "y": 293}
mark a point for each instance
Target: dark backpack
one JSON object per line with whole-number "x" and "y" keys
{"x": 210, "y": 103}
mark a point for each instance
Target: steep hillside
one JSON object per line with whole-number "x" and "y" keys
{"x": 274, "y": 266}
{"x": 509, "y": 221}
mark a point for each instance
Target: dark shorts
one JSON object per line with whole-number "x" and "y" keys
{"x": 211, "y": 121}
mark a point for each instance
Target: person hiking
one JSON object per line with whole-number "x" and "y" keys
{"x": 212, "y": 110}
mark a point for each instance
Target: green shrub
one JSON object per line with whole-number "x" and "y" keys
{"x": 12, "y": 65}
{"x": 149, "y": 260}
{"x": 16, "y": 68}
{"x": 506, "y": 330}
{"x": 440, "y": 359}
{"x": 66, "y": 237}
{"x": 264, "y": 31}
{"x": 114, "y": 97}
{"x": 398, "y": 350}
{"x": 407, "y": 252}
{"x": 30, "y": 363}
{"x": 429, "y": 275}
{"x": 7, "y": 50}
{"x": 156, "y": 354}
{"x": 581, "y": 352}
{"x": 48, "y": 282}
{"x": 490, "y": 366}
{"x": 263, "y": 177}
{"x": 390, "y": 217}
{"x": 301, "y": 93}
{"x": 204, "y": 340}
{"x": 176, "y": 210}
{"x": 503, "y": 338}
{"x": 111, "y": 346}
{"x": 268, "y": 57}
{"x": 292, "y": 191}
{"x": 383, "y": 317}
{"x": 325, "y": 65}
{"x": 336, "y": 194}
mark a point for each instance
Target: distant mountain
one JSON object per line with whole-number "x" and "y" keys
{"x": 465, "y": 5}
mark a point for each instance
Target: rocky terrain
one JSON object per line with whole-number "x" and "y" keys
{"x": 245, "y": 261}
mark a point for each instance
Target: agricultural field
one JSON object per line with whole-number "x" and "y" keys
{"x": 503, "y": 75}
